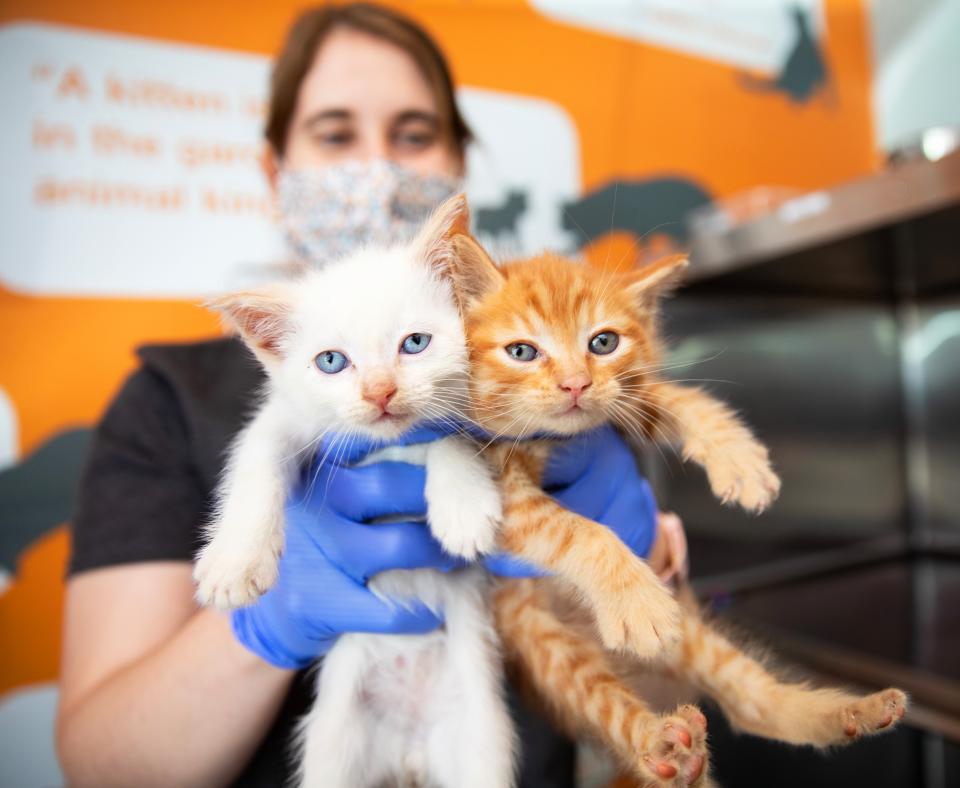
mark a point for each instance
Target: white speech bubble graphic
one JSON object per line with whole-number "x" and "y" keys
{"x": 131, "y": 165}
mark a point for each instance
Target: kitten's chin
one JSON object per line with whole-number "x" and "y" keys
{"x": 387, "y": 427}
{"x": 572, "y": 422}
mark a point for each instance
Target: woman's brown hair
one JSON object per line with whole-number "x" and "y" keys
{"x": 307, "y": 35}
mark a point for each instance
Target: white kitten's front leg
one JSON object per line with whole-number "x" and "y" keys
{"x": 463, "y": 500}
{"x": 239, "y": 563}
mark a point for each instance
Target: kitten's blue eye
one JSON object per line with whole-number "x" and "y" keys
{"x": 521, "y": 351}
{"x": 415, "y": 343}
{"x": 331, "y": 361}
{"x": 605, "y": 342}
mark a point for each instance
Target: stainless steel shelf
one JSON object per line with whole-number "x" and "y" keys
{"x": 819, "y": 217}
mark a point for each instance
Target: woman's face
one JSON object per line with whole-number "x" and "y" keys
{"x": 364, "y": 98}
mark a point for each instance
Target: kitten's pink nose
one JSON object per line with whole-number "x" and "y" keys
{"x": 379, "y": 392}
{"x": 576, "y": 384}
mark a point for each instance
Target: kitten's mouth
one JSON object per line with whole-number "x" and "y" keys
{"x": 577, "y": 407}
{"x": 575, "y": 417}
{"x": 387, "y": 424}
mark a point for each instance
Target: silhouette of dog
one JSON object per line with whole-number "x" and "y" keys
{"x": 502, "y": 220}
{"x": 638, "y": 207}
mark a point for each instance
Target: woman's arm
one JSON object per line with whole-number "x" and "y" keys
{"x": 153, "y": 691}
{"x": 156, "y": 693}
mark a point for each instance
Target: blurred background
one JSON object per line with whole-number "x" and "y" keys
{"x": 802, "y": 149}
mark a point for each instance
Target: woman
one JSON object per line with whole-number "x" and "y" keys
{"x": 155, "y": 691}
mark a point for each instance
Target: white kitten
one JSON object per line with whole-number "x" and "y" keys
{"x": 369, "y": 346}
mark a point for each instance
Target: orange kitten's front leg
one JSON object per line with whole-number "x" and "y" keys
{"x": 737, "y": 464}
{"x": 632, "y": 608}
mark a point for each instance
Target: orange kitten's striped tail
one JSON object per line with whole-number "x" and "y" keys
{"x": 572, "y": 674}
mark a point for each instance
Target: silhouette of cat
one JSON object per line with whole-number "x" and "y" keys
{"x": 803, "y": 72}
{"x": 502, "y": 220}
{"x": 37, "y": 494}
{"x": 640, "y": 207}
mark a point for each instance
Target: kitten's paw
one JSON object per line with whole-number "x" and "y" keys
{"x": 466, "y": 525}
{"x": 742, "y": 474}
{"x": 641, "y": 616}
{"x": 674, "y": 751}
{"x": 872, "y": 714}
{"x": 227, "y": 579}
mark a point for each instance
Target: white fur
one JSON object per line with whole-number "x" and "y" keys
{"x": 428, "y": 709}
{"x": 363, "y": 306}
{"x": 424, "y": 710}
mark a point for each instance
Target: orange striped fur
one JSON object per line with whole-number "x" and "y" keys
{"x": 572, "y": 672}
{"x": 756, "y": 701}
{"x": 557, "y": 306}
{"x": 593, "y": 691}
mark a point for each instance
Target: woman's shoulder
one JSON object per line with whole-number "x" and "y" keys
{"x": 203, "y": 390}
{"x": 204, "y": 369}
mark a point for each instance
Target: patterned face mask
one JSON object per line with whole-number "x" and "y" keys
{"x": 328, "y": 212}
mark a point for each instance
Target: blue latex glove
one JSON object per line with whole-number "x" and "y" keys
{"x": 593, "y": 474}
{"x": 329, "y": 555}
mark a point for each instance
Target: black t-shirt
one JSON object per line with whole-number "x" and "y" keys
{"x": 147, "y": 488}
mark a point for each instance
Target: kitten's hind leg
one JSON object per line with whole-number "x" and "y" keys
{"x": 333, "y": 739}
{"x": 756, "y": 701}
{"x": 474, "y": 746}
{"x": 572, "y": 674}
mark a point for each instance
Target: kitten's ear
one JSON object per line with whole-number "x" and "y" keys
{"x": 656, "y": 279}
{"x": 474, "y": 273}
{"x": 261, "y": 317}
{"x": 450, "y": 219}
{"x": 446, "y": 244}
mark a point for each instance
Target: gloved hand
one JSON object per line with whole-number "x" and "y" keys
{"x": 593, "y": 474}
{"x": 329, "y": 555}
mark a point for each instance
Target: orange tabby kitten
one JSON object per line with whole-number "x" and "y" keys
{"x": 559, "y": 347}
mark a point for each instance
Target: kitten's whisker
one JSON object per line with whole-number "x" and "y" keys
{"x": 347, "y": 441}
{"x": 653, "y": 420}
{"x": 613, "y": 214}
{"x": 663, "y": 409}
{"x": 334, "y": 443}
{"x": 586, "y": 238}
{"x": 442, "y": 418}
{"x": 306, "y": 448}
{"x": 628, "y": 420}
{"x": 519, "y": 437}
{"x": 503, "y": 432}
{"x": 681, "y": 364}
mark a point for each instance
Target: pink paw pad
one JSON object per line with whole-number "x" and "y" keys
{"x": 679, "y": 753}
